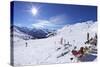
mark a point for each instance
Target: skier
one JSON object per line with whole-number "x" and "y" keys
{"x": 61, "y": 41}
{"x": 88, "y": 36}
{"x": 26, "y": 44}
{"x": 88, "y": 39}
{"x": 64, "y": 41}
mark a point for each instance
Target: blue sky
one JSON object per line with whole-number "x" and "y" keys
{"x": 51, "y": 16}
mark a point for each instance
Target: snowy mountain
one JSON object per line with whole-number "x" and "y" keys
{"x": 77, "y": 33}
{"x": 30, "y": 33}
{"x": 55, "y": 49}
{"x": 19, "y": 34}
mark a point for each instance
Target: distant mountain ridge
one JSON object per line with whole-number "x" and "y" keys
{"x": 35, "y": 33}
{"x": 32, "y": 33}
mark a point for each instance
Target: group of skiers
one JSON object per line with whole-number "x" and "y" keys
{"x": 83, "y": 50}
{"x": 86, "y": 49}
{"x": 92, "y": 40}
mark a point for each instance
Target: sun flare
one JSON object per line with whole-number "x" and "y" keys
{"x": 34, "y": 11}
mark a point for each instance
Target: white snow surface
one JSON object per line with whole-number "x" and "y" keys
{"x": 18, "y": 35}
{"x": 44, "y": 51}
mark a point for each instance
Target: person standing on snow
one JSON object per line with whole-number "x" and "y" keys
{"x": 61, "y": 41}
{"x": 26, "y": 44}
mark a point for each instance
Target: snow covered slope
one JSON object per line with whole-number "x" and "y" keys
{"x": 77, "y": 33}
{"x": 17, "y": 34}
{"x": 52, "y": 50}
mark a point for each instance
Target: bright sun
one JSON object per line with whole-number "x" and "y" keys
{"x": 34, "y": 11}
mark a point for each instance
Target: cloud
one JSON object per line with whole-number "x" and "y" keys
{"x": 59, "y": 19}
{"x": 42, "y": 24}
{"x": 53, "y": 22}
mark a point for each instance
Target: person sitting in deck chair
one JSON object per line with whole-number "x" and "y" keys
{"x": 79, "y": 53}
